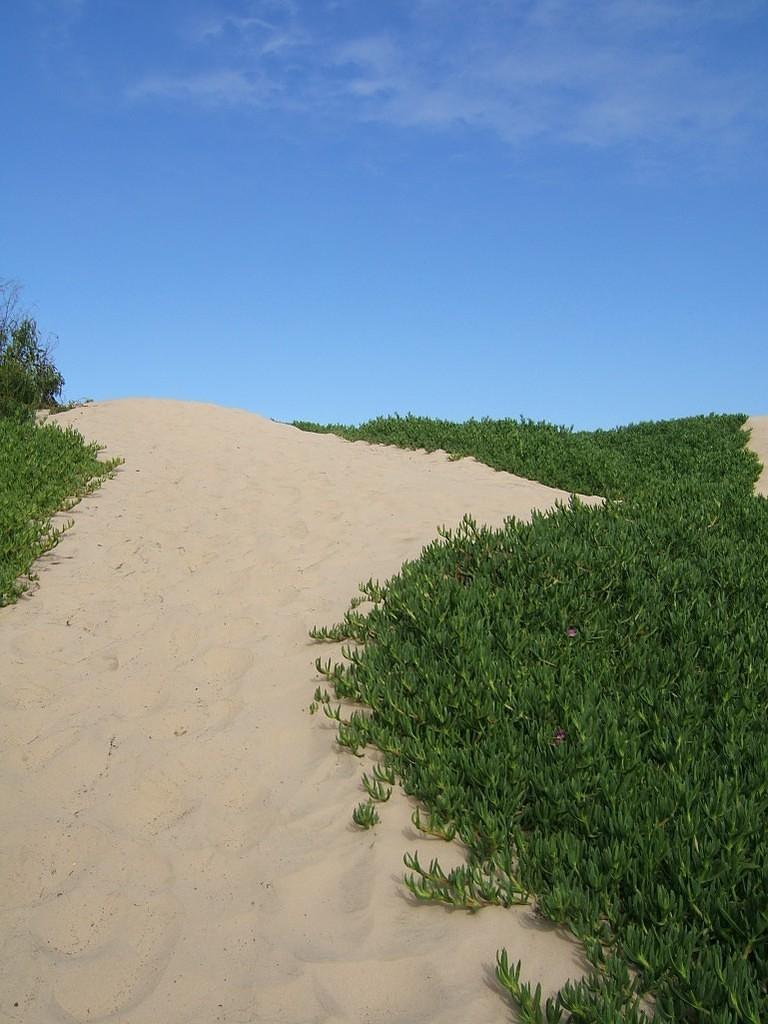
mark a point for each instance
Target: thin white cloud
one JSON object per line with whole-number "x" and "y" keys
{"x": 250, "y": 33}
{"x": 229, "y": 88}
{"x": 598, "y": 73}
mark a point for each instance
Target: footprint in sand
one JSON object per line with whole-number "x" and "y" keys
{"x": 94, "y": 907}
{"x": 38, "y": 861}
{"x": 80, "y": 754}
{"x": 310, "y": 928}
{"x": 220, "y": 670}
{"x": 124, "y": 970}
{"x": 154, "y": 802}
{"x": 191, "y": 719}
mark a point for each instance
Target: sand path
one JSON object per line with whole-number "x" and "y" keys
{"x": 177, "y": 844}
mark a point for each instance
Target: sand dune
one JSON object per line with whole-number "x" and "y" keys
{"x": 177, "y": 843}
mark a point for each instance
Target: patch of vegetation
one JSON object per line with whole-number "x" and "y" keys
{"x": 581, "y": 701}
{"x": 29, "y": 380}
{"x": 610, "y": 463}
{"x": 76, "y": 403}
{"x": 43, "y": 469}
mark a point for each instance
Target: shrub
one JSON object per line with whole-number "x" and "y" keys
{"x": 18, "y": 394}
{"x": 29, "y": 379}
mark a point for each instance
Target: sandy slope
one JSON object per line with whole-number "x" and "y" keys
{"x": 758, "y": 442}
{"x": 177, "y": 844}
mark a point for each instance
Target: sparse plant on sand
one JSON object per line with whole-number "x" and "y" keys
{"x": 376, "y": 790}
{"x": 365, "y": 815}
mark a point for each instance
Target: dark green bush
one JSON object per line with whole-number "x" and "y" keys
{"x": 18, "y": 394}
{"x": 29, "y": 379}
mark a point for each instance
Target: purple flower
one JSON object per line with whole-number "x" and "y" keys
{"x": 558, "y": 737}
{"x": 571, "y": 631}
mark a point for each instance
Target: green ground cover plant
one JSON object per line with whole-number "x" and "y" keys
{"x": 581, "y": 701}
{"x": 610, "y": 463}
{"x": 43, "y": 470}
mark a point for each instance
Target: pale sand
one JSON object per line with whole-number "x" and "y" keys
{"x": 177, "y": 844}
{"x": 758, "y": 442}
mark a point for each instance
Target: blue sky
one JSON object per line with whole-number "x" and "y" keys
{"x": 337, "y": 209}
